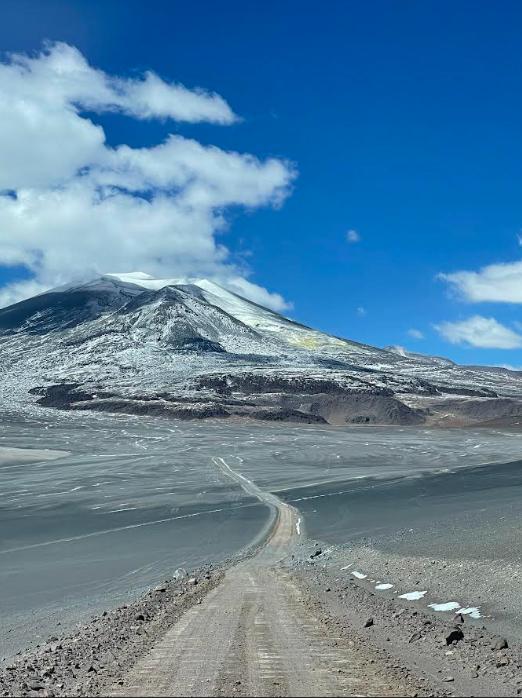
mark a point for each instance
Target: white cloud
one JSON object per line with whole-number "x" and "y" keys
{"x": 72, "y": 206}
{"x": 259, "y": 295}
{"x": 416, "y": 334}
{"x": 201, "y": 175}
{"x": 501, "y": 283}
{"x": 482, "y": 332}
{"x": 361, "y": 311}
{"x": 19, "y": 290}
{"x": 353, "y": 236}
{"x": 67, "y": 78}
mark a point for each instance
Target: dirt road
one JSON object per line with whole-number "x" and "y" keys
{"x": 254, "y": 634}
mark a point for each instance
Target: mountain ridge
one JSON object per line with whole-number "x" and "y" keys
{"x": 189, "y": 348}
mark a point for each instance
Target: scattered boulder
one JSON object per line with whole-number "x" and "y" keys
{"x": 369, "y": 622}
{"x": 35, "y": 686}
{"x": 500, "y": 644}
{"x": 455, "y": 635}
{"x": 416, "y": 636}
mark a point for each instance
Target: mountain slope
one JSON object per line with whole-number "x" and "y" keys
{"x": 270, "y": 324}
{"x": 190, "y": 348}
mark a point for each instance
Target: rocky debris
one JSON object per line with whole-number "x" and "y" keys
{"x": 500, "y": 644}
{"x": 99, "y": 652}
{"x": 455, "y": 635}
{"x": 409, "y": 639}
{"x": 250, "y": 383}
{"x": 273, "y": 394}
{"x": 485, "y": 410}
{"x": 365, "y": 407}
{"x": 153, "y": 408}
{"x": 287, "y": 415}
{"x": 360, "y": 406}
{"x": 465, "y": 392}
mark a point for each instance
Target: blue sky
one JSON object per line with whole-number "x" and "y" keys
{"x": 401, "y": 120}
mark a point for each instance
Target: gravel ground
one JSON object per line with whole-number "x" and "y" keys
{"x": 492, "y": 586}
{"x": 443, "y": 649}
{"x": 417, "y": 651}
{"x": 428, "y": 653}
{"x": 99, "y": 653}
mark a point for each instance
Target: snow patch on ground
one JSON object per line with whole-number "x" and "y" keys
{"x": 471, "y": 611}
{"x": 413, "y": 595}
{"x": 383, "y": 587}
{"x": 359, "y": 575}
{"x": 448, "y": 606}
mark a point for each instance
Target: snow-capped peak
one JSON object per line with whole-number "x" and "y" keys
{"x": 146, "y": 281}
{"x": 134, "y": 331}
{"x": 273, "y": 325}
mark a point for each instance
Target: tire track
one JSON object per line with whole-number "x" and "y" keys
{"x": 253, "y": 635}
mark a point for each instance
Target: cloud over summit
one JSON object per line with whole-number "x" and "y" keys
{"x": 72, "y": 206}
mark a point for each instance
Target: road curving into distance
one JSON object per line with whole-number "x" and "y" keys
{"x": 254, "y": 634}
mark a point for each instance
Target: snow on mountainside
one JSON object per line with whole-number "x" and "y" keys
{"x": 190, "y": 348}
{"x": 249, "y": 313}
